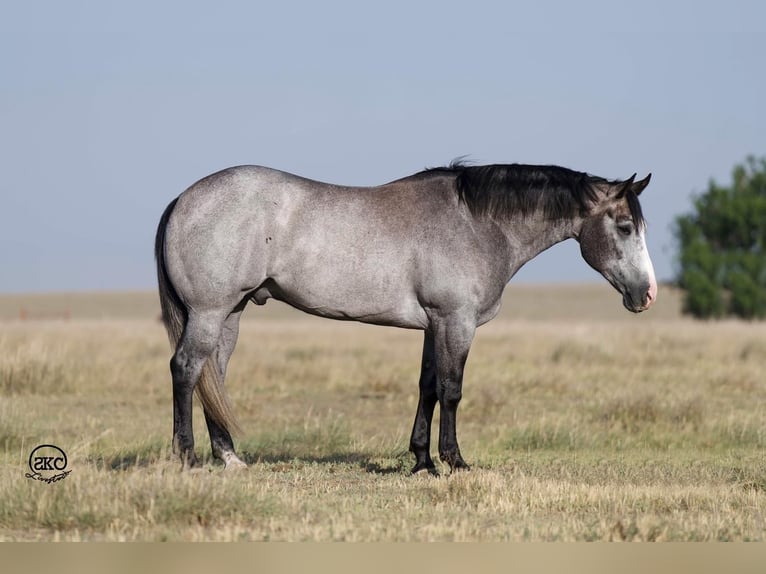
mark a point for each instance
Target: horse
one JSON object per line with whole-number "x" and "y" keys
{"x": 432, "y": 251}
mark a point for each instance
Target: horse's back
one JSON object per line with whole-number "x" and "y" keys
{"x": 373, "y": 254}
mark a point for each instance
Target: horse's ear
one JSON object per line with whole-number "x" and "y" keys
{"x": 624, "y": 186}
{"x": 639, "y": 186}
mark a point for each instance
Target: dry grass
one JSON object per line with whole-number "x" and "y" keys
{"x": 582, "y": 421}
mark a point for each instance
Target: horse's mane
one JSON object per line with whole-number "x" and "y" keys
{"x": 501, "y": 190}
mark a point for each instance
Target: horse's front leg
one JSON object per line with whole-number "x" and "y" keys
{"x": 420, "y": 443}
{"x": 452, "y": 341}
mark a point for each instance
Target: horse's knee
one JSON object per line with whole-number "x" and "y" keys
{"x": 451, "y": 395}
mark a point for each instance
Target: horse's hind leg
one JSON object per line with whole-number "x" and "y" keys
{"x": 220, "y": 439}
{"x": 199, "y": 339}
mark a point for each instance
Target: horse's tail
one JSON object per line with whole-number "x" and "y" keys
{"x": 209, "y": 389}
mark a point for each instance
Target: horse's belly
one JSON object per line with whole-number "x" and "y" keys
{"x": 376, "y": 302}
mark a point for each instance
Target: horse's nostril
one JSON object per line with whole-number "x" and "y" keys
{"x": 650, "y": 296}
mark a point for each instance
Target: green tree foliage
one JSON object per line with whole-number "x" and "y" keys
{"x": 722, "y": 259}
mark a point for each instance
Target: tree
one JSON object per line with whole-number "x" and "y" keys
{"x": 722, "y": 259}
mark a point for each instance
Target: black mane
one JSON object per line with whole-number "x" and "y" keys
{"x": 502, "y": 190}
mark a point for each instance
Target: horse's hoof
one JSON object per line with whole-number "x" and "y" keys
{"x": 422, "y": 468}
{"x": 190, "y": 463}
{"x": 455, "y": 462}
{"x": 233, "y": 463}
{"x": 460, "y": 466}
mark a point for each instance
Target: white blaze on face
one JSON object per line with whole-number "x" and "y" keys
{"x": 617, "y": 249}
{"x": 644, "y": 263}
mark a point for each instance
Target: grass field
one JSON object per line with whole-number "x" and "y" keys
{"x": 581, "y": 420}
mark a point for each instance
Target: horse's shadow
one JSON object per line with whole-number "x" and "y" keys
{"x": 365, "y": 461}
{"x": 280, "y": 461}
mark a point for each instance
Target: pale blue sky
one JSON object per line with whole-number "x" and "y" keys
{"x": 109, "y": 110}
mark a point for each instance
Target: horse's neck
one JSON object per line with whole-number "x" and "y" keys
{"x": 530, "y": 235}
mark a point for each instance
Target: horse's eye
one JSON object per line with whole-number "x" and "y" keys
{"x": 625, "y": 228}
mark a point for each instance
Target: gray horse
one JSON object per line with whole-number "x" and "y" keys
{"x": 432, "y": 251}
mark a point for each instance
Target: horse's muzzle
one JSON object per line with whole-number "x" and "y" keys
{"x": 641, "y": 300}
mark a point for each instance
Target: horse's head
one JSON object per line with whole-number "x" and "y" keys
{"x": 612, "y": 241}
